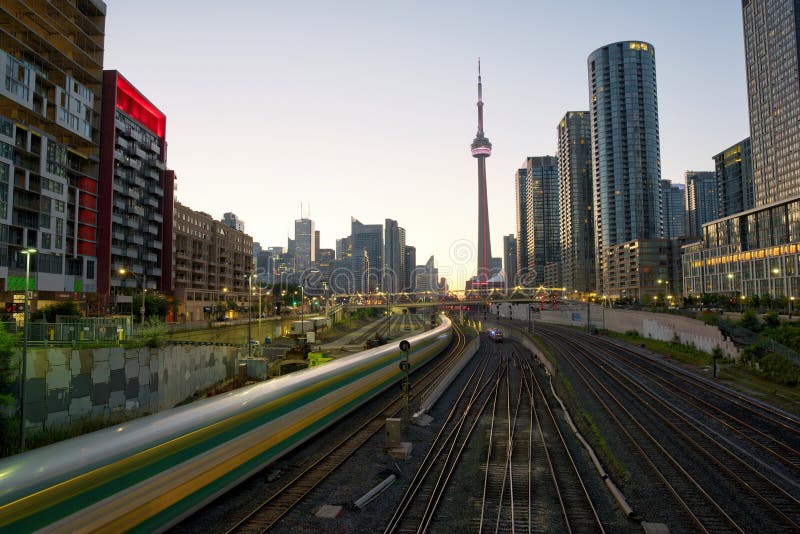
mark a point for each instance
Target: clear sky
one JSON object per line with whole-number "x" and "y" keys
{"x": 367, "y": 109}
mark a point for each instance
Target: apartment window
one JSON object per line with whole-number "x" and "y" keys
{"x": 90, "y": 269}
{"x": 47, "y": 240}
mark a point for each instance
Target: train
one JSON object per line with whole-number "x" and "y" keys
{"x": 148, "y": 474}
{"x": 496, "y": 335}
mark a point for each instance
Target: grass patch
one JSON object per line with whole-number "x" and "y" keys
{"x": 678, "y": 351}
{"x": 744, "y": 378}
{"x": 545, "y": 348}
{"x": 588, "y": 428}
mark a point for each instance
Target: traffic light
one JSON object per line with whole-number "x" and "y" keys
{"x": 9, "y": 307}
{"x": 20, "y": 307}
{"x": 294, "y": 303}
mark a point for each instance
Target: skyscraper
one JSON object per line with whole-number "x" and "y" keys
{"x": 673, "y": 209}
{"x": 626, "y": 162}
{"x": 481, "y": 149}
{"x": 230, "y": 219}
{"x": 734, "y": 170}
{"x": 369, "y": 237}
{"x": 510, "y": 259}
{"x": 701, "y": 201}
{"x": 575, "y": 201}
{"x": 394, "y": 257}
{"x": 304, "y": 242}
{"x": 771, "y": 34}
{"x": 410, "y": 254}
{"x": 544, "y": 244}
{"x": 524, "y": 224}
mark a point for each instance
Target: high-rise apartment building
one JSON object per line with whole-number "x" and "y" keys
{"x": 772, "y": 45}
{"x": 626, "y": 156}
{"x": 510, "y": 260}
{"x": 576, "y": 202}
{"x": 51, "y": 63}
{"x": 304, "y": 242}
{"x": 369, "y": 237}
{"x": 734, "y": 170}
{"x": 394, "y": 263}
{"x": 136, "y": 192}
{"x": 230, "y": 219}
{"x": 701, "y": 201}
{"x": 524, "y": 224}
{"x": 544, "y": 243}
{"x": 673, "y": 209}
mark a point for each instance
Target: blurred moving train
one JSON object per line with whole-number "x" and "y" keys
{"x": 148, "y": 474}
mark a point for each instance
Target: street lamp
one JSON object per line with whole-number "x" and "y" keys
{"x": 123, "y": 271}
{"x": 23, "y": 365}
{"x": 249, "y": 312}
{"x": 791, "y": 306}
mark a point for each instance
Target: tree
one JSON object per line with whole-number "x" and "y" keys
{"x": 49, "y": 313}
{"x": 750, "y": 320}
{"x": 8, "y": 430}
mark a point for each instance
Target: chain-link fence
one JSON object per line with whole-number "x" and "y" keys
{"x": 79, "y": 330}
{"x": 743, "y": 336}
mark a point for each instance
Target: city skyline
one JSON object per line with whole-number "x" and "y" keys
{"x": 336, "y": 101}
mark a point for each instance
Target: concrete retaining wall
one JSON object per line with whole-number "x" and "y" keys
{"x": 661, "y": 326}
{"x": 65, "y": 385}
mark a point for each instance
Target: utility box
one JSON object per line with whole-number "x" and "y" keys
{"x": 394, "y": 432}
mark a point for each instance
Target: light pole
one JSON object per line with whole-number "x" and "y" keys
{"x": 23, "y": 364}
{"x": 791, "y": 306}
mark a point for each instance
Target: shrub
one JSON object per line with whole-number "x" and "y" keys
{"x": 750, "y": 320}
{"x": 771, "y": 320}
{"x": 9, "y": 436}
{"x": 778, "y": 369}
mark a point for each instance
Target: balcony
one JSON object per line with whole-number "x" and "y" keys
{"x": 150, "y": 201}
{"x": 156, "y": 190}
{"x": 132, "y": 222}
{"x": 138, "y": 210}
{"x": 152, "y": 229}
{"x": 139, "y": 181}
{"x": 116, "y": 219}
{"x": 140, "y": 153}
{"x": 136, "y": 238}
{"x": 132, "y": 252}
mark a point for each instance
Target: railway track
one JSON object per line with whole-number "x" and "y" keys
{"x": 529, "y": 479}
{"x": 271, "y": 509}
{"x": 708, "y": 478}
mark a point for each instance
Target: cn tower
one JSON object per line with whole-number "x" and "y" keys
{"x": 482, "y": 149}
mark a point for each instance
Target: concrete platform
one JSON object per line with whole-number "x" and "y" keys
{"x": 403, "y": 452}
{"x": 655, "y": 528}
{"x": 329, "y": 511}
